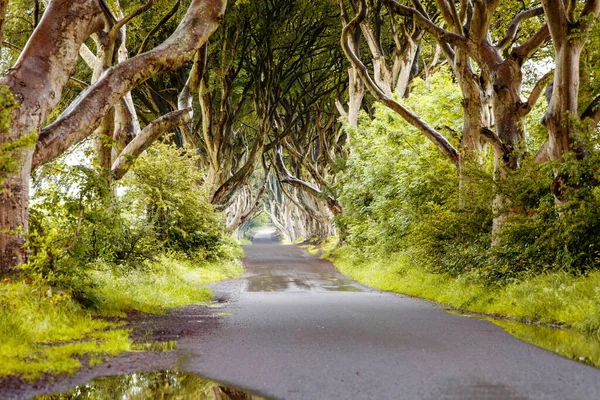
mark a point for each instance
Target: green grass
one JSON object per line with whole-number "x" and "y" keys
{"x": 48, "y": 334}
{"x": 557, "y": 298}
{"x": 42, "y": 332}
{"x": 169, "y": 282}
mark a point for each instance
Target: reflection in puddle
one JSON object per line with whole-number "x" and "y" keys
{"x": 300, "y": 279}
{"x": 225, "y": 314}
{"x": 153, "y": 385}
{"x": 575, "y": 345}
{"x": 343, "y": 288}
{"x": 154, "y": 346}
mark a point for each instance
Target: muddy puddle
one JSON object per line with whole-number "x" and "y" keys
{"x": 162, "y": 385}
{"x": 578, "y": 346}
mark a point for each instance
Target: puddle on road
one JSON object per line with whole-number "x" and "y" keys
{"x": 343, "y": 288}
{"x": 568, "y": 343}
{"x": 154, "y": 346}
{"x": 280, "y": 281}
{"x": 153, "y": 385}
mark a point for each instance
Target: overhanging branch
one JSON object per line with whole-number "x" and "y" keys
{"x": 439, "y": 140}
{"x": 79, "y": 120}
{"x": 165, "y": 124}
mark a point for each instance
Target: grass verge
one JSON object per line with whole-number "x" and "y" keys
{"x": 556, "y": 298}
{"x": 47, "y": 332}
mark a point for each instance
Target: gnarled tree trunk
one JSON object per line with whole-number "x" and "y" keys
{"x": 36, "y": 82}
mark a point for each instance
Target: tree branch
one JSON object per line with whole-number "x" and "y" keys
{"x": 259, "y": 196}
{"x": 163, "y": 21}
{"x": 592, "y": 7}
{"x": 286, "y": 177}
{"x": 527, "y": 49}
{"x": 440, "y": 34}
{"x": 165, "y": 124}
{"x": 592, "y": 111}
{"x": 535, "y": 93}
{"x": 511, "y": 32}
{"x": 556, "y": 18}
{"x": 79, "y": 120}
{"x": 123, "y": 21}
{"x": 440, "y": 141}
{"x": 495, "y": 140}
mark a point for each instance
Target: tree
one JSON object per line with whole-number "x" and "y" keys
{"x": 569, "y": 26}
{"x": 36, "y": 83}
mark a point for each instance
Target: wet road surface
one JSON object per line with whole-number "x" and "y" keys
{"x": 294, "y": 328}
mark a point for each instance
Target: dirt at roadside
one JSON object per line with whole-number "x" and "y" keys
{"x": 189, "y": 322}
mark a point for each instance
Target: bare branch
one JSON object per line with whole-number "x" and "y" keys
{"x": 78, "y": 121}
{"x": 88, "y": 57}
{"x": 79, "y": 83}
{"x": 495, "y": 140}
{"x": 542, "y": 155}
{"x": 286, "y": 177}
{"x": 556, "y": 18}
{"x": 123, "y": 21}
{"x": 11, "y": 46}
{"x": 528, "y": 48}
{"x": 440, "y": 34}
{"x": 592, "y": 111}
{"x": 592, "y": 7}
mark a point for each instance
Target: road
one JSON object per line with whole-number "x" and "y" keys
{"x": 294, "y": 328}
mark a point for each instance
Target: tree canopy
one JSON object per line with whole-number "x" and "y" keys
{"x": 355, "y": 117}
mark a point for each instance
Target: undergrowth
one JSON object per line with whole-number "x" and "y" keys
{"x": 100, "y": 249}
{"x": 47, "y": 331}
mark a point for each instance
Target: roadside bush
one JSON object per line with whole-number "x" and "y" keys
{"x": 79, "y": 222}
{"x": 543, "y": 235}
{"x": 75, "y": 221}
{"x": 165, "y": 187}
{"x": 402, "y": 197}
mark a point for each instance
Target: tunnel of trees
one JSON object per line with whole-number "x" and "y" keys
{"x": 461, "y": 135}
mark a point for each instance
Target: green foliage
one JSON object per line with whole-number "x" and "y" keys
{"x": 170, "y": 281}
{"x": 45, "y": 330}
{"x": 78, "y": 223}
{"x": 75, "y": 221}
{"x": 401, "y": 196}
{"x": 552, "y": 298}
{"x": 165, "y": 186}
{"x": 544, "y": 235}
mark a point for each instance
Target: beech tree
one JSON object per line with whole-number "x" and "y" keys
{"x": 569, "y": 25}
{"x": 493, "y": 106}
{"x": 35, "y": 84}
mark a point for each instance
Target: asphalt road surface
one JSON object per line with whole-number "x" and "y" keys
{"x": 294, "y": 328}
